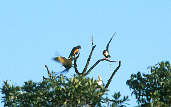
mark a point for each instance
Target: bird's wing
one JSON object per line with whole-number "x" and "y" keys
{"x": 107, "y": 46}
{"x": 60, "y": 59}
{"x": 65, "y": 62}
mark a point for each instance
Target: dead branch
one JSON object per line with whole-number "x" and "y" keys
{"x": 88, "y": 60}
{"x": 110, "y": 79}
{"x": 49, "y": 74}
{"x": 94, "y": 66}
{"x": 110, "y": 60}
{"x": 75, "y": 65}
{"x": 92, "y": 40}
{"x": 97, "y": 62}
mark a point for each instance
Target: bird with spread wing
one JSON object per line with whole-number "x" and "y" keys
{"x": 67, "y": 63}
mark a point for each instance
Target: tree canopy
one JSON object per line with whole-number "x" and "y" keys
{"x": 59, "y": 90}
{"x": 154, "y": 88}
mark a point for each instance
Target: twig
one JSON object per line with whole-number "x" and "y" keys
{"x": 94, "y": 66}
{"x": 49, "y": 74}
{"x": 97, "y": 62}
{"x": 110, "y": 60}
{"x": 110, "y": 79}
{"x": 92, "y": 40}
{"x": 75, "y": 64}
{"x": 88, "y": 60}
{"x": 44, "y": 78}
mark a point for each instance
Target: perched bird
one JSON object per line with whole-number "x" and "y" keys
{"x": 99, "y": 82}
{"x": 67, "y": 63}
{"x": 74, "y": 52}
{"x": 106, "y": 52}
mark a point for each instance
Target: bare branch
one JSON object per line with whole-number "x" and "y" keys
{"x": 110, "y": 79}
{"x": 49, "y": 74}
{"x": 75, "y": 64}
{"x": 97, "y": 62}
{"x": 110, "y": 60}
{"x": 88, "y": 60}
{"x": 92, "y": 40}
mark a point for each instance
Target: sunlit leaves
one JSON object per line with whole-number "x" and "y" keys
{"x": 77, "y": 90}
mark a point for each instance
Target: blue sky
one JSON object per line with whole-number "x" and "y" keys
{"x": 33, "y": 32}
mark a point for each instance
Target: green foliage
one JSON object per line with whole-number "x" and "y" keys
{"x": 117, "y": 101}
{"x": 59, "y": 91}
{"x": 152, "y": 89}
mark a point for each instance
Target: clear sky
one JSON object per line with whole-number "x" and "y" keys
{"x": 32, "y": 32}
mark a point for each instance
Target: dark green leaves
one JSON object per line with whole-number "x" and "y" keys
{"x": 152, "y": 88}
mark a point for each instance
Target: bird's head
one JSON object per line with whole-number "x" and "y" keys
{"x": 79, "y": 46}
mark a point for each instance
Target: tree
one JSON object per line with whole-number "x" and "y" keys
{"x": 153, "y": 89}
{"x": 59, "y": 90}
{"x": 117, "y": 101}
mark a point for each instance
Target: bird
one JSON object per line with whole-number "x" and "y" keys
{"x": 106, "y": 51}
{"x": 67, "y": 63}
{"x": 74, "y": 52}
